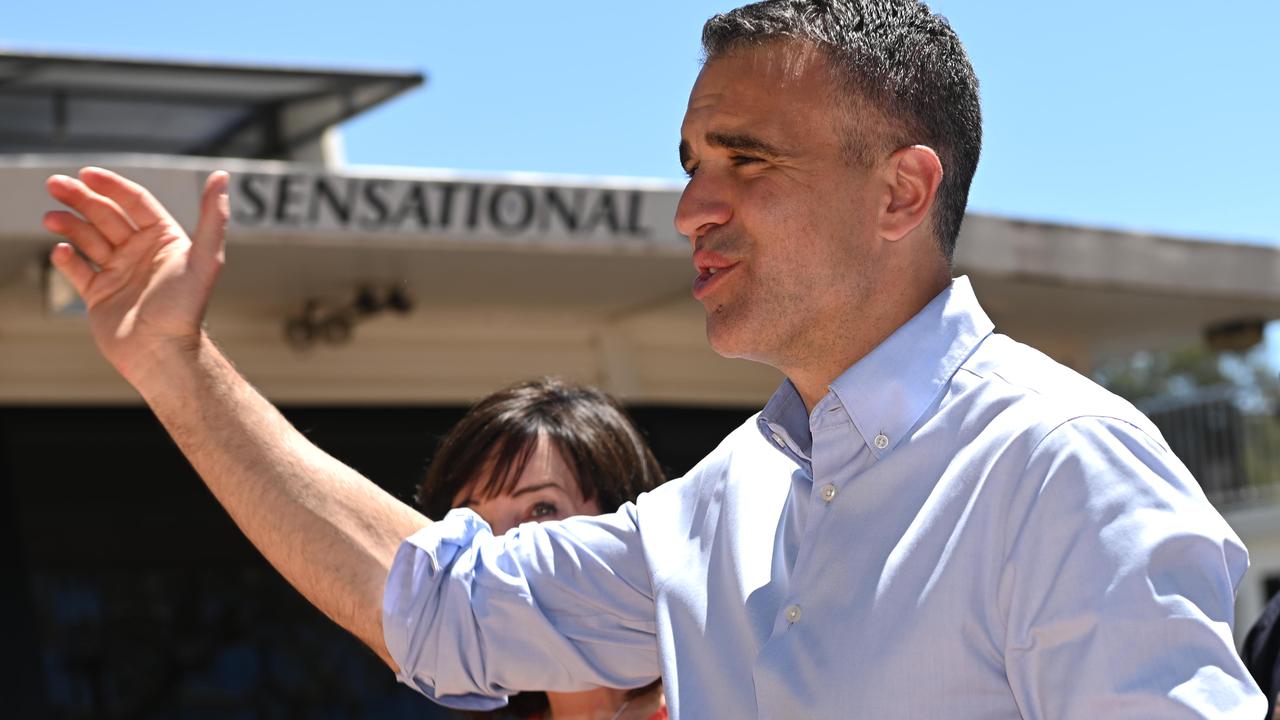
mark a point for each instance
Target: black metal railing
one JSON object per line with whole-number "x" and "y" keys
{"x": 1229, "y": 438}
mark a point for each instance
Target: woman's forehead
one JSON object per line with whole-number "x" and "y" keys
{"x": 544, "y": 468}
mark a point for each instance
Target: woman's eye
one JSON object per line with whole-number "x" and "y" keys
{"x": 543, "y": 510}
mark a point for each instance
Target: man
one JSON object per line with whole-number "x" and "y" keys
{"x": 926, "y": 520}
{"x": 1261, "y": 653}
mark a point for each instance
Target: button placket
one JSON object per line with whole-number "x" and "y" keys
{"x": 827, "y": 492}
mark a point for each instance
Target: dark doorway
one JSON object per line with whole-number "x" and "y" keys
{"x": 141, "y": 599}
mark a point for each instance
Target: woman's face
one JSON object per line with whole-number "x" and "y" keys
{"x": 546, "y": 490}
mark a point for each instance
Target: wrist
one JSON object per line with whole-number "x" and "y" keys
{"x": 164, "y": 364}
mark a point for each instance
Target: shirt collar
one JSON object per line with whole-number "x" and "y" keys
{"x": 784, "y": 422}
{"x": 887, "y": 391}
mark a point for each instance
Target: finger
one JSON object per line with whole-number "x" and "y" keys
{"x": 72, "y": 267}
{"x": 138, "y": 204}
{"x": 83, "y": 235}
{"x": 103, "y": 212}
{"x": 209, "y": 240}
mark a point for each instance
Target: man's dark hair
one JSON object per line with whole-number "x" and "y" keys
{"x": 609, "y": 459}
{"x": 897, "y": 57}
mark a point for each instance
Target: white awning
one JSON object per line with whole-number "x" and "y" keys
{"x": 519, "y": 275}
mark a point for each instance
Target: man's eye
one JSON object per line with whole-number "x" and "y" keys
{"x": 743, "y": 159}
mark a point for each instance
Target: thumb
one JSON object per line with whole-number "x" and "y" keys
{"x": 209, "y": 240}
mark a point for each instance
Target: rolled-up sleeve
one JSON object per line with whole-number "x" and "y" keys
{"x": 470, "y": 618}
{"x": 1120, "y": 585}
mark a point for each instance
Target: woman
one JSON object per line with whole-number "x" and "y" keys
{"x": 547, "y": 450}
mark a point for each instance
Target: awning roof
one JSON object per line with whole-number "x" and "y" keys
{"x": 69, "y": 103}
{"x": 516, "y": 276}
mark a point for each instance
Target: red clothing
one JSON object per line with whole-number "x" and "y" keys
{"x": 661, "y": 714}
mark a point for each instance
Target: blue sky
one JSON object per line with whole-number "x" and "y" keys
{"x": 1144, "y": 115}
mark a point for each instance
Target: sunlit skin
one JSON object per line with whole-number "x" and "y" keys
{"x": 807, "y": 258}
{"x": 547, "y": 490}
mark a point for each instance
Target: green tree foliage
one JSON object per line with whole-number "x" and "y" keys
{"x": 1153, "y": 374}
{"x": 1233, "y": 449}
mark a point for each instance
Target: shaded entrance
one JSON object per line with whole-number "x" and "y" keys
{"x": 140, "y": 599}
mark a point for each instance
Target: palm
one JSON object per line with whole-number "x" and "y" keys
{"x": 140, "y": 293}
{"x": 152, "y": 283}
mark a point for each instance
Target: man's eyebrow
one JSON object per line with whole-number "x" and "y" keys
{"x": 742, "y": 143}
{"x": 732, "y": 141}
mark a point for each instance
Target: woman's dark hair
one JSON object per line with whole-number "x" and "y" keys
{"x": 606, "y": 454}
{"x": 609, "y": 460}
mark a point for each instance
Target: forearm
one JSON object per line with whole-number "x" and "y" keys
{"x": 328, "y": 530}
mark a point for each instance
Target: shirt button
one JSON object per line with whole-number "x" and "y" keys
{"x": 779, "y": 441}
{"x": 828, "y": 492}
{"x": 882, "y": 441}
{"x": 792, "y": 614}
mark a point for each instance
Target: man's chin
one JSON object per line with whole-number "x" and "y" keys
{"x": 726, "y": 340}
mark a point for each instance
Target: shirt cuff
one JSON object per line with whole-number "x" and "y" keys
{"x": 410, "y": 600}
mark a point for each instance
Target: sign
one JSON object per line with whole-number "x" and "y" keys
{"x": 451, "y": 208}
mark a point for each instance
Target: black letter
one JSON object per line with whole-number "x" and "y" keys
{"x": 250, "y": 193}
{"x": 286, "y": 195}
{"x": 414, "y": 201}
{"x": 446, "y": 203}
{"x": 376, "y": 201}
{"x": 473, "y": 206}
{"x": 522, "y": 216}
{"x": 633, "y": 214}
{"x": 323, "y": 193}
{"x": 554, "y": 204}
{"x": 605, "y": 210}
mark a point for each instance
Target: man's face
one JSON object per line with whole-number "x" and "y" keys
{"x": 781, "y": 220}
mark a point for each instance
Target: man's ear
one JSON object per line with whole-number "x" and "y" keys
{"x": 913, "y": 176}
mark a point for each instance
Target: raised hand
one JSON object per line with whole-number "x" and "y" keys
{"x": 329, "y": 531}
{"x": 146, "y": 284}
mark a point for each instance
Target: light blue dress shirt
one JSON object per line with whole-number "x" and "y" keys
{"x": 961, "y": 529}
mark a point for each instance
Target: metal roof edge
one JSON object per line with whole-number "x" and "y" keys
{"x": 395, "y": 172}
{"x": 412, "y": 77}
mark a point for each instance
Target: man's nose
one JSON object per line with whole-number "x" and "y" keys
{"x": 704, "y": 204}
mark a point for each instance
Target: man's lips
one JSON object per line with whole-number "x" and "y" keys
{"x": 712, "y": 269}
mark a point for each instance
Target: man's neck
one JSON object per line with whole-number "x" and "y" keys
{"x": 837, "y": 351}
